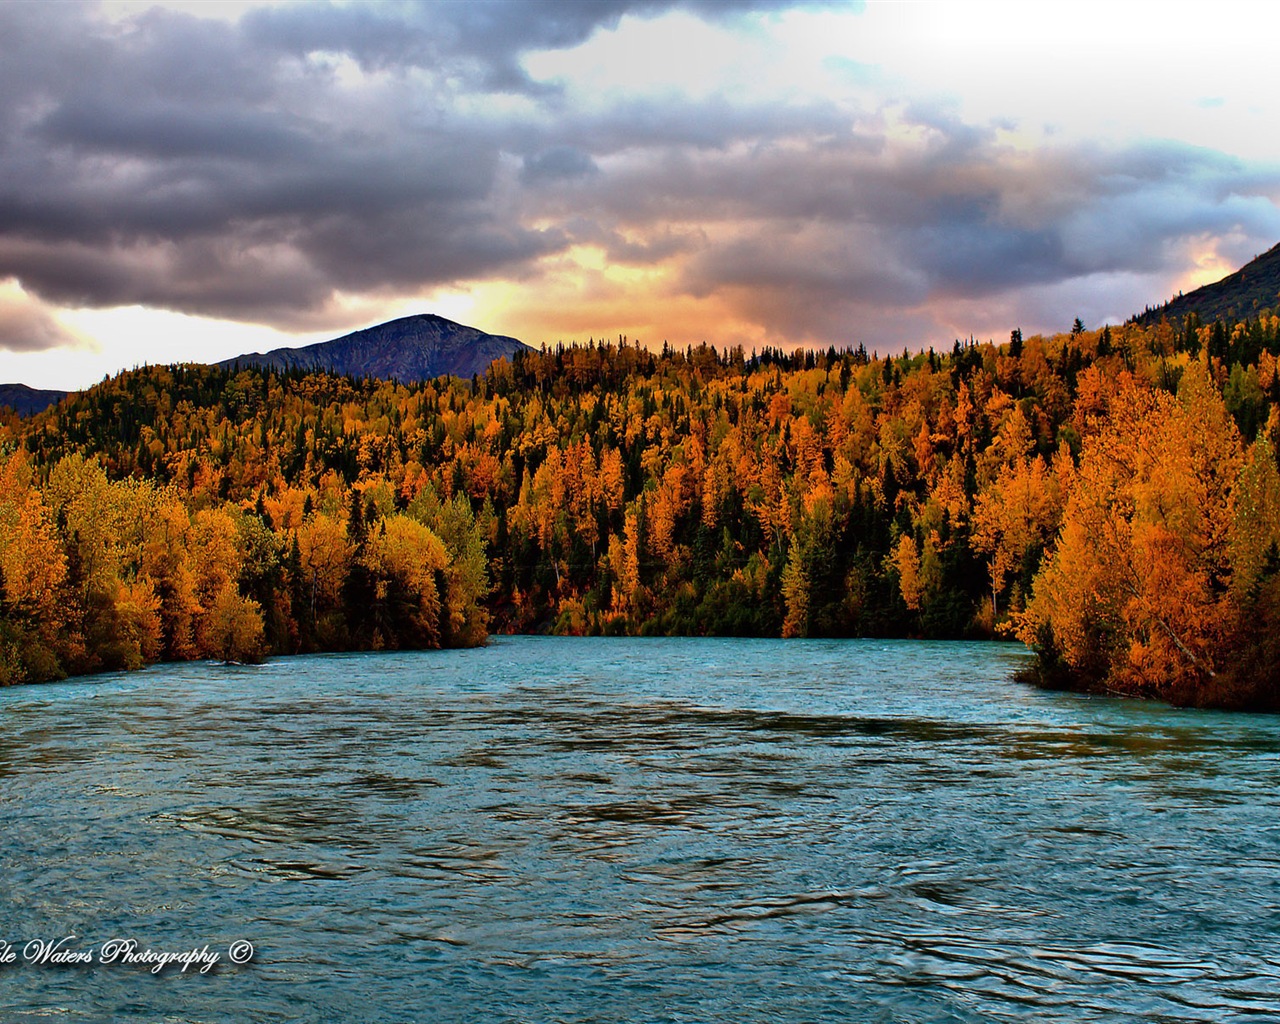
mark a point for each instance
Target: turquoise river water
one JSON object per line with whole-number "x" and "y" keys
{"x": 570, "y": 830}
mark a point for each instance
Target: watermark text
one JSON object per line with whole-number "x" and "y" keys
{"x": 68, "y": 951}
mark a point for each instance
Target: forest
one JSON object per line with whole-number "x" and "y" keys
{"x": 1109, "y": 497}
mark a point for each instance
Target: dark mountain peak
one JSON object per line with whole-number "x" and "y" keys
{"x": 410, "y": 348}
{"x": 27, "y": 401}
{"x": 1249, "y": 291}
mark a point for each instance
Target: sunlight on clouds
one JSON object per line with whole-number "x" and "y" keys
{"x": 345, "y": 70}
{"x": 124, "y": 337}
{"x": 135, "y": 335}
{"x": 491, "y": 108}
{"x": 788, "y": 57}
{"x": 1118, "y": 72}
{"x": 586, "y": 257}
{"x": 680, "y": 319}
{"x": 771, "y": 58}
{"x": 819, "y": 53}
{"x": 1115, "y": 73}
{"x": 580, "y": 295}
{"x": 1209, "y": 259}
{"x": 21, "y": 310}
{"x": 460, "y": 304}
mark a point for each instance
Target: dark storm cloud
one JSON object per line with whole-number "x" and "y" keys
{"x": 226, "y": 169}
{"x": 173, "y": 163}
{"x": 240, "y": 170}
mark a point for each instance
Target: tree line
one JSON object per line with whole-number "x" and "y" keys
{"x": 1108, "y": 496}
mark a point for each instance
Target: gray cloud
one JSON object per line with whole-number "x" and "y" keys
{"x": 480, "y": 38}
{"x": 858, "y": 228}
{"x": 648, "y": 246}
{"x": 25, "y": 327}
{"x": 234, "y": 170}
{"x": 557, "y": 164}
{"x": 177, "y": 165}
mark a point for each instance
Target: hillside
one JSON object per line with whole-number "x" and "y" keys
{"x": 807, "y": 494}
{"x": 1110, "y": 497}
{"x": 413, "y": 348}
{"x": 27, "y": 401}
{"x": 1246, "y": 293}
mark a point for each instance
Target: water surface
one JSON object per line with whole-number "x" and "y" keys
{"x": 639, "y": 830}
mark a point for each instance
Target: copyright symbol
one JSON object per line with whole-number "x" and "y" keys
{"x": 240, "y": 951}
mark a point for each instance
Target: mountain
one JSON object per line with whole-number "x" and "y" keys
{"x": 27, "y": 401}
{"x": 412, "y": 348}
{"x": 1239, "y": 296}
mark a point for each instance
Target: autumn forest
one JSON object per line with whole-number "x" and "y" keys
{"x": 1109, "y": 497}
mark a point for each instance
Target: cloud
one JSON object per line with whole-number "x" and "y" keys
{"x": 25, "y": 326}
{"x": 862, "y": 230}
{"x": 275, "y": 168}
{"x": 559, "y": 163}
{"x": 175, "y": 167}
{"x": 482, "y": 40}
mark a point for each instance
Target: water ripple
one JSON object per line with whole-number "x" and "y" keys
{"x": 686, "y": 830}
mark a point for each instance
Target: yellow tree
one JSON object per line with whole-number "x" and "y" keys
{"x": 216, "y": 553}
{"x": 627, "y": 566}
{"x": 324, "y": 555}
{"x": 34, "y": 627}
{"x": 232, "y": 627}
{"x": 138, "y": 627}
{"x": 612, "y": 481}
{"x": 795, "y": 595}
{"x": 164, "y": 559}
{"x": 34, "y": 567}
{"x": 1136, "y": 593}
{"x": 1255, "y": 536}
{"x": 905, "y": 561}
{"x": 1018, "y": 513}
{"x": 81, "y": 501}
{"x": 403, "y": 557}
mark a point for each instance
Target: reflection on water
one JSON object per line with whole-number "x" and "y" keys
{"x": 657, "y": 830}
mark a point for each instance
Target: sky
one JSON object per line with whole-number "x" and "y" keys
{"x": 190, "y": 181}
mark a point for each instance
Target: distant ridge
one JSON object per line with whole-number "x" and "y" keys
{"x": 27, "y": 401}
{"x": 412, "y": 348}
{"x": 1246, "y": 293}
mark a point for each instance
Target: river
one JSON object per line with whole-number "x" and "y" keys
{"x": 574, "y": 830}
